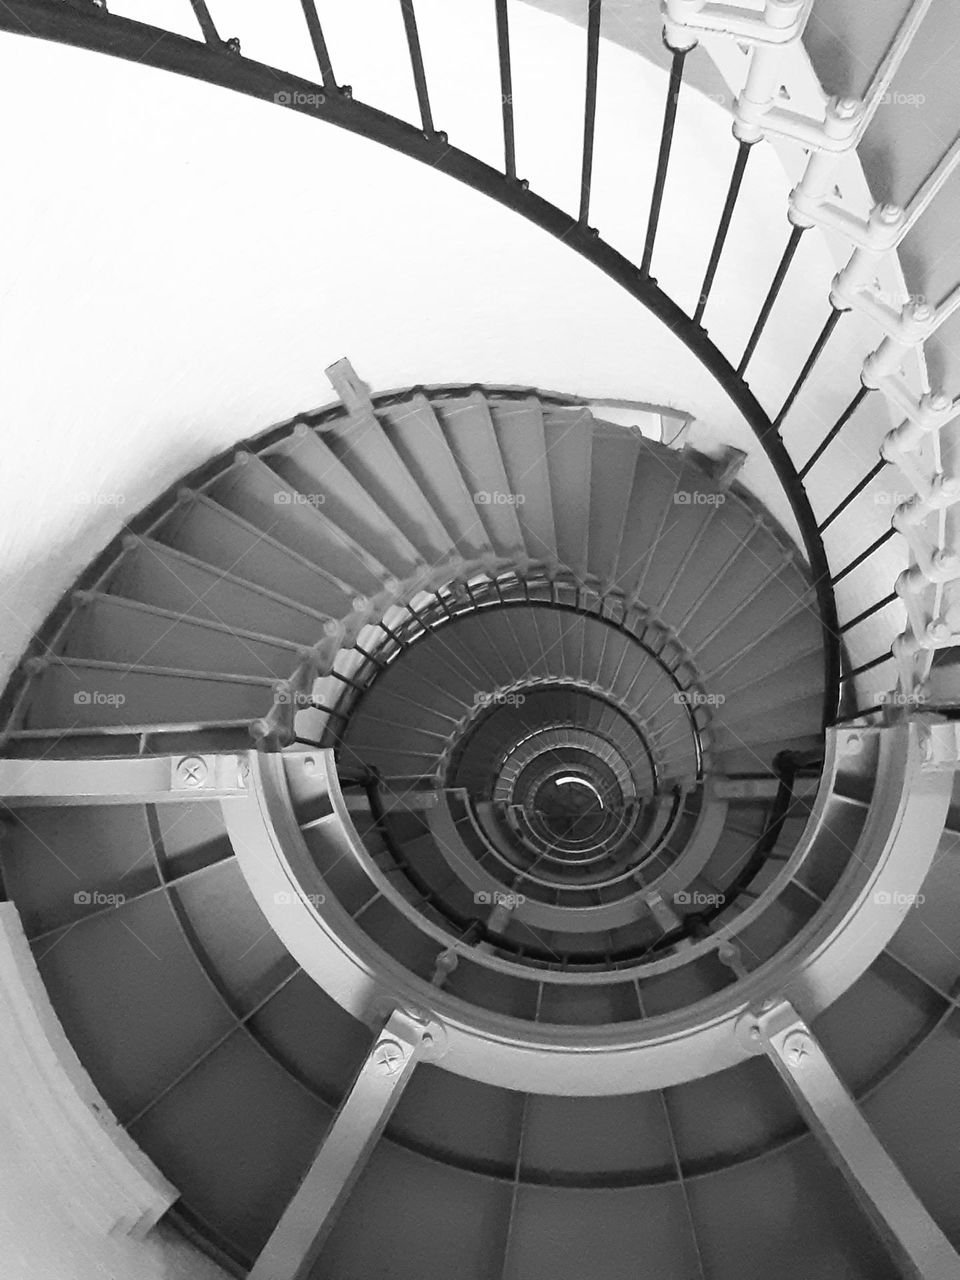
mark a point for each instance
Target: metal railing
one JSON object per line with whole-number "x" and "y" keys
{"x": 928, "y": 587}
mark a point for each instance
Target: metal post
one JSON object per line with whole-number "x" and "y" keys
{"x": 917, "y": 1244}
{"x": 298, "y": 1238}
{"x": 127, "y": 780}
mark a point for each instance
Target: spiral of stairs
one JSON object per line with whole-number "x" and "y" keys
{"x": 452, "y": 832}
{"x": 544, "y": 774}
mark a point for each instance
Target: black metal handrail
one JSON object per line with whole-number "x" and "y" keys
{"x": 219, "y": 61}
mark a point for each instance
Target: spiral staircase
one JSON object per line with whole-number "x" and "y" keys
{"x": 453, "y": 833}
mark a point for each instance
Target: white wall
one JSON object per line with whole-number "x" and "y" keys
{"x": 183, "y": 262}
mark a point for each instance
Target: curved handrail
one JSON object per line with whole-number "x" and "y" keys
{"x": 219, "y": 62}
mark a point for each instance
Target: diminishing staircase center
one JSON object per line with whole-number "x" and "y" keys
{"x": 537, "y": 766}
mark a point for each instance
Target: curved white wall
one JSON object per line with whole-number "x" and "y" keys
{"x": 183, "y": 262}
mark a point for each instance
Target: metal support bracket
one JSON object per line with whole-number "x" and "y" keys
{"x": 298, "y": 1238}
{"x": 916, "y": 1242}
{"x": 127, "y": 780}
{"x": 346, "y": 382}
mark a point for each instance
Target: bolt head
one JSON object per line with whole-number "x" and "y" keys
{"x": 192, "y": 771}
{"x": 890, "y": 213}
{"x": 796, "y": 1048}
{"x": 846, "y": 108}
{"x": 388, "y": 1057}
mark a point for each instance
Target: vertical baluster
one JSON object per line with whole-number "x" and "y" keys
{"x": 416, "y": 62}
{"x": 743, "y": 151}
{"x": 841, "y": 422}
{"x": 506, "y": 89}
{"x": 663, "y": 159}
{"x": 778, "y": 279}
{"x": 812, "y": 359}
{"x": 319, "y": 45}
{"x": 207, "y": 26}
{"x": 590, "y": 106}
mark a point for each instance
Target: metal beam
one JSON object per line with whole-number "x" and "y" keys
{"x": 299, "y": 1236}
{"x": 917, "y": 1244}
{"x": 122, "y": 780}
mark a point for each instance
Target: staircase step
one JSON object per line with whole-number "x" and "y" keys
{"x": 308, "y": 464}
{"x": 472, "y": 440}
{"x": 363, "y": 447}
{"x": 202, "y": 528}
{"x": 123, "y": 631}
{"x": 418, "y": 437}
{"x": 520, "y": 434}
{"x": 157, "y": 575}
{"x": 263, "y": 498}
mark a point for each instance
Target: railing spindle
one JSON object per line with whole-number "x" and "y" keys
{"x": 867, "y": 666}
{"x": 319, "y": 45}
{"x": 841, "y": 422}
{"x": 874, "y": 608}
{"x": 811, "y": 360}
{"x": 590, "y": 106}
{"x": 743, "y": 152}
{"x": 663, "y": 159}
{"x": 854, "y": 492}
{"x": 416, "y": 62}
{"x": 207, "y": 26}
{"x": 506, "y": 89}
{"x": 778, "y": 279}
{"x": 864, "y": 555}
